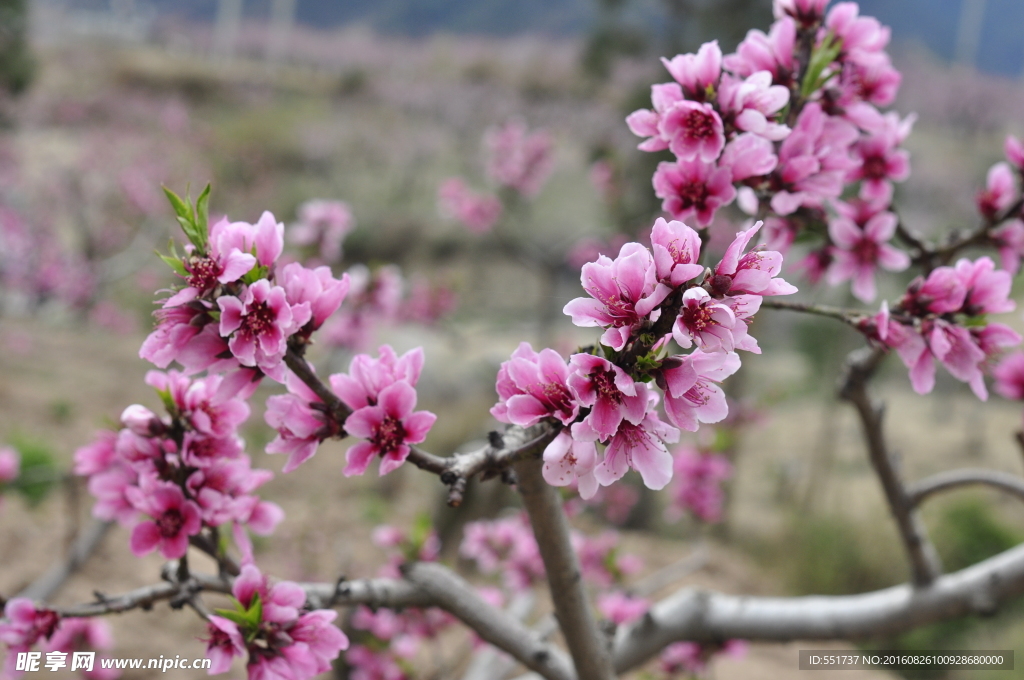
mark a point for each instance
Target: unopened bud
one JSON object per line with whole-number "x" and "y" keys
{"x": 141, "y": 420}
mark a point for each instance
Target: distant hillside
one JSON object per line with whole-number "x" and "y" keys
{"x": 931, "y": 22}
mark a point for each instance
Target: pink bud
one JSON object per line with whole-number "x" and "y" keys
{"x": 140, "y": 420}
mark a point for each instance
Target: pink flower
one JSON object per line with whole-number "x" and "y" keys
{"x": 390, "y": 427}
{"x": 317, "y": 287}
{"x": 620, "y": 608}
{"x": 750, "y": 273}
{"x": 749, "y": 155}
{"x": 226, "y": 262}
{"x": 694, "y": 131}
{"x": 1014, "y": 150}
{"x": 859, "y": 34}
{"x": 281, "y": 602}
{"x": 942, "y": 292}
{"x": 999, "y": 193}
{"x": 223, "y": 645}
{"x": 568, "y": 461}
{"x": 640, "y": 447}
{"x": 109, "y": 487}
{"x": 646, "y": 123}
{"x": 814, "y": 160}
{"x": 676, "y": 249}
{"x": 477, "y": 212}
{"x": 1009, "y": 376}
{"x": 682, "y": 657}
{"x": 174, "y": 519}
{"x": 691, "y": 393}
{"x": 1009, "y": 239}
{"x": 623, "y": 292}
{"x": 175, "y": 329}
{"x": 753, "y": 102}
{"x": 532, "y": 387}
{"x": 693, "y": 189}
{"x": 611, "y": 395}
{"x": 300, "y": 427}
{"x": 317, "y": 638}
{"x": 704, "y": 321}
{"x": 882, "y": 162}
{"x": 858, "y": 253}
{"x": 772, "y": 52}
{"x": 10, "y": 464}
{"x": 367, "y": 377}
{"x": 519, "y": 160}
{"x": 323, "y": 224}
{"x": 807, "y": 12}
{"x": 26, "y": 625}
{"x": 506, "y": 545}
{"x": 697, "y": 73}
{"x": 988, "y": 289}
{"x": 259, "y": 324}
{"x": 697, "y": 485}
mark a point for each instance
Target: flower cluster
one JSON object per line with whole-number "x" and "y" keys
{"x": 269, "y": 625}
{"x": 381, "y": 397}
{"x": 641, "y": 299}
{"x": 170, "y": 477}
{"x": 380, "y": 297}
{"x": 322, "y": 226}
{"x": 516, "y": 160}
{"x": 762, "y": 127}
{"x": 942, "y": 317}
{"x": 508, "y": 546}
{"x": 386, "y": 642}
{"x": 688, "y": 659}
{"x": 697, "y": 484}
{"x": 235, "y": 312}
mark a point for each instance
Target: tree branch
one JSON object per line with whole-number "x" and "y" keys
{"x": 704, "y": 616}
{"x": 860, "y": 367}
{"x": 945, "y": 481}
{"x": 551, "y": 529}
{"x": 450, "y": 592}
{"x": 847, "y": 316}
{"x": 85, "y": 543}
{"x": 515, "y": 444}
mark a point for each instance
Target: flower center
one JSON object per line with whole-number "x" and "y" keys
{"x": 202, "y": 272}
{"x": 604, "y": 385}
{"x": 170, "y": 523}
{"x": 692, "y": 194}
{"x": 390, "y": 435}
{"x": 259, "y": 319}
{"x": 866, "y": 251}
{"x": 699, "y": 125}
{"x": 874, "y": 167}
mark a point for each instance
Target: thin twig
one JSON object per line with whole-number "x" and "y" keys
{"x": 860, "y": 367}
{"x": 847, "y": 316}
{"x": 953, "y": 479}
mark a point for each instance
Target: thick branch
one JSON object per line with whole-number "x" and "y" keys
{"x": 924, "y": 560}
{"x": 704, "y": 616}
{"x": 945, "y": 481}
{"x": 450, "y": 592}
{"x": 551, "y": 529}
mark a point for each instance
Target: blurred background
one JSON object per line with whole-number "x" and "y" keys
{"x": 380, "y": 105}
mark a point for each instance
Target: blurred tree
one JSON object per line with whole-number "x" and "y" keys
{"x": 16, "y": 63}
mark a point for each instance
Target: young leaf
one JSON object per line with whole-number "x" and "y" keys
{"x": 203, "y": 215}
{"x": 174, "y": 263}
{"x": 181, "y": 208}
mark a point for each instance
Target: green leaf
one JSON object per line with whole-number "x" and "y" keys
{"x": 255, "y": 274}
{"x": 174, "y": 263}
{"x": 38, "y": 473}
{"x": 823, "y": 55}
{"x": 202, "y": 216}
{"x": 233, "y": 616}
{"x": 181, "y": 208}
{"x": 255, "y": 612}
